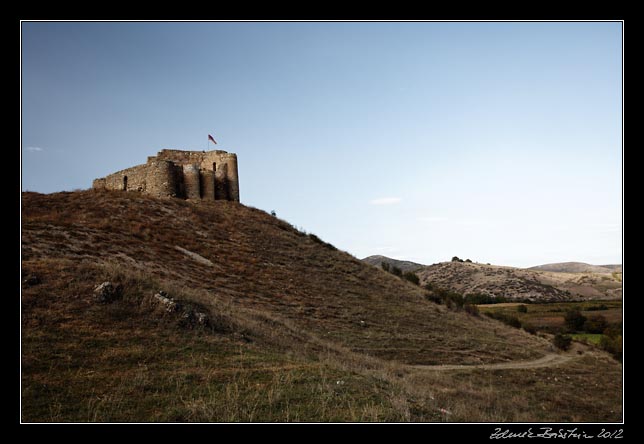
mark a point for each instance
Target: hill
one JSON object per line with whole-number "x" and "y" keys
{"x": 576, "y": 267}
{"x": 405, "y": 266}
{"x": 265, "y": 323}
{"x": 521, "y": 284}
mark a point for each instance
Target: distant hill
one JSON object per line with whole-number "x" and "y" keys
{"x": 518, "y": 283}
{"x": 492, "y": 280}
{"x": 403, "y": 265}
{"x": 577, "y": 267}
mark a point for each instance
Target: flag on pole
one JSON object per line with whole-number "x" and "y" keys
{"x": 211, "y": 138}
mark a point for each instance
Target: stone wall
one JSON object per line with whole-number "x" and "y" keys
{"x": 208, "y": 175}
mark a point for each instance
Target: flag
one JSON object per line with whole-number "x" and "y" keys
{"x": 211, "y": 138}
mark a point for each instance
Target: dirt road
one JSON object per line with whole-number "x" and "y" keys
{"x": 549, "y": 360}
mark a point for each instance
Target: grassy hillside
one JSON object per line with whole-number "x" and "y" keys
{"x": 298, "y": 330}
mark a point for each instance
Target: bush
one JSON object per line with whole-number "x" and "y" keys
{"x": 433, "y": 298}
{"x": 612, "y": 345}
{"x": 510, "y": 320}
{"x": 522, "y": 309}
{"x": 396, "y": 271}
{"x": 385, "y": 266}
{"x": 481, "y": 298}
{"x": 411, "y": 277}
{"x": 468, "y": 260}
{"x": 562, "y": 342}
{"x": 456, "y": 259}
{"x": 613, "y": 330}
{"x": 597, "y": 307}
{"x": 574, "y": 320}
{"x": 529, "y": 328}
{"x": 471, "y": 309}
{"x": 595, "y": 324}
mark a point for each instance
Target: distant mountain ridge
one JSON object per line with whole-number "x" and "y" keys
{"x": 405, "y": 266}
{"x": 577, "y": 267}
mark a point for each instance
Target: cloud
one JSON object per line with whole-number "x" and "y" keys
{"x": 385, "y": 201}
{"x": 34, "y": 149}
{"x": 432, "y": 218}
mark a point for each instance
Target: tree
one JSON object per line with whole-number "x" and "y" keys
{"x": 595, "y": 324}
{"x": 396, "y": 271}
{"x": 574, "y": 320}
{"x": 562, "y": 341}
{"x": 456, "y": 259}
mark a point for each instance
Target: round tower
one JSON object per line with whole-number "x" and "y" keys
{"x": 207, "y": 185}
{"x": 160, "y": 179}
{"x": 191, "y": 181}
{"x": 232, "y": 176}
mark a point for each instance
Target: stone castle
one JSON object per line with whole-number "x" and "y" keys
{"x": 205, "y": 175}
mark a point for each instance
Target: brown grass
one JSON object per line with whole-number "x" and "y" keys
{"x": 286, "y": 342}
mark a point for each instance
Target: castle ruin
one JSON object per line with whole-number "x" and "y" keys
{"x": 205, "y": 175}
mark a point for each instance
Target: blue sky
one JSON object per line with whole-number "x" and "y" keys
{"x": 499, "y": 142}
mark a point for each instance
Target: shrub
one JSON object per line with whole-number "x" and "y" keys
{"x": 522, "y": 309}
{"x": 433, "y": 298}
{"x": 481, "y": 298}
{"x": 562, "y": 342}
{"x": 385, "y": 266}
{"x": 529, "y": 328}
{"x": 456, "y": 259}
{"x": 396, "y": 271}
{"x": 595, "y": 324}
{"x": 574, "y": 320}
{"x": 471, "y": 309}
{"x": 613, "y": 330}
{"x": 412, "y": 277}
{"x": 612, "y": 345}
{"x": 597, "y": 307}
{"x": 510, "y": 320}
{"x": 468, "y": 260}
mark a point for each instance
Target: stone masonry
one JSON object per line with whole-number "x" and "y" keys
{"x": 205, "y": 175}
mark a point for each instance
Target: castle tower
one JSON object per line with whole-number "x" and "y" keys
{"x": 206, "y": 175}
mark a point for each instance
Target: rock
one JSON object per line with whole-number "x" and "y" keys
{"x": 108, "y": 292}
{"x": 202, "y": 319}
{"x": 169, "y": 305}
{"x": 31, "y": 280}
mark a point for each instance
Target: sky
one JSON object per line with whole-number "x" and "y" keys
{"x": 500, "y": 142}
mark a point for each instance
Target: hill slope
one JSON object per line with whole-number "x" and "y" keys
{"x": 297, "y": 331}
{"x": 576, "y": 267}
{"x": 519, "y": 283}
{"x": 405, "y": 266}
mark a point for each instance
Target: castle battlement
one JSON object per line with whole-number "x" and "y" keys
{"x": 206, "y": 175}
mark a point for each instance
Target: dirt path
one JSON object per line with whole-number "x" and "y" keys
{"x": 549, "y": 360}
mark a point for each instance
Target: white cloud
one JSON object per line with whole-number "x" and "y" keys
{"x": 385, "y": 201}
{"x": 432, "y": 218}
{"x": 34, "y": 149}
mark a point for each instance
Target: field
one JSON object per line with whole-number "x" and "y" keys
{"x": 549, "y": 317}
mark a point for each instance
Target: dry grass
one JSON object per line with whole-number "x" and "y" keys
{"x": 286, "y": 342}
